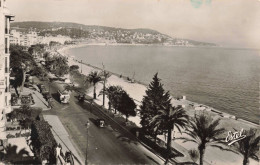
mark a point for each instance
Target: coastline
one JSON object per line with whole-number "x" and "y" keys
{"x": 197, "y": 106}
{"x": 137, "y": 89}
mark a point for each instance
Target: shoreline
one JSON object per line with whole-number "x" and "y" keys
{"x": 199, "y": 106}
{"x": 136, "y": 91}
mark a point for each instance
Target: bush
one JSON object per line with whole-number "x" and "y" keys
{"x": 43, "y": 141}
{"x": 27, "y": 134}
{"x": 10, "y": 136}
{"x": 74, "y": 67}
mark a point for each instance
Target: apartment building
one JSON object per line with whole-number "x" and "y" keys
{"x": 5, "y": 95}
{"x": 15, "y": 37}
{"x": 23, "y": 39}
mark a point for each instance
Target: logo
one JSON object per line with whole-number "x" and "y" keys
{"x": 234, "y": 137}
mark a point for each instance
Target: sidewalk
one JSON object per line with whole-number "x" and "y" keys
{"x": 39, "y": 100}
{"x": 62, "y": 137}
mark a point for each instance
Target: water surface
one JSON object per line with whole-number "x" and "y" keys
{"x": 226, "y": 79}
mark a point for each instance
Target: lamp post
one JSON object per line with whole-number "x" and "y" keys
{"x": 81, "y": 66}
{"x": 86, "y": 161}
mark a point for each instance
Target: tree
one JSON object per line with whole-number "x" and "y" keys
{"x": 39, "y": 72}
{"x": 94, "y": 78}
{"x": 25, "y": 115}
{"x": 20, "y": 62}
{"x": 43, "y": 141}
{"x": 115, "y": 97}
{"x": 60, "y": 65}
{"x": 167, "y": 119}
{"x": 25, "y": 67}
{"x": 18, "y": 79}
{"x": 105, "y": 75}
{"x": 156, "y": 98}
{"x": 46, "y": 55}
{"x": 204, "y": 131}
{"x": 194, "y": 154}
{"x": 74, "y": 67}
{"x": 249, "y": 146}
{"x": 10, "y": 154}
{"x": 36, "y": 50}
{"x": 126, "y": 105}
{"x": 109, "y": 92}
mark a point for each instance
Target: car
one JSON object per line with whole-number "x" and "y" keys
{"x": 47, "y": 96}
{"x": 100, "y": 123}
{"x": 81, "y": 97}
{"x": 42, "y": 88}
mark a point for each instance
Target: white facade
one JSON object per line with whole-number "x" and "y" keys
{"x": 5, "y": 95}
{"x": 15, "y": 37}
{"x": 32, "y": 38}
{"x": 23, "y": 39}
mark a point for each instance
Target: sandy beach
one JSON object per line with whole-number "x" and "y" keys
{"x": 137, "y": 91}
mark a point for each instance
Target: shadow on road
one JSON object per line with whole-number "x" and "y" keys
{"x": 127, "y": 139}
{"x": 152, "y": 159}
{"x": 55, "y": 96}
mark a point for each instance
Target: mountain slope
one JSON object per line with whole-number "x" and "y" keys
{"x": 118, "y": 35}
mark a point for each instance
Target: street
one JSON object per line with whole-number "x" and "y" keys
{"x": 109, "y": 145}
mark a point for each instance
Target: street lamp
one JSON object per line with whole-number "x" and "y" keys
{"x": 81, "y": 66}
{"x": 86, "y": 161}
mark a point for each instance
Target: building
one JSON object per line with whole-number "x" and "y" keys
{"x": 23, "y": 39}
{"x": 15, "y": 37}
{"x": 5, "y": 95}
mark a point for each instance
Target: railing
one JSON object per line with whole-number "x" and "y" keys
{"x": 6, "y": 89}
{"x": 7, "y": 31}
{"x": 6, "y": 50}
{"x": 6, "y": 70}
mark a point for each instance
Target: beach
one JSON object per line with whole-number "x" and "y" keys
{"x": 137, "y": 91}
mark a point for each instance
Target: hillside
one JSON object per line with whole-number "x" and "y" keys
{"x": 101, "y": 33}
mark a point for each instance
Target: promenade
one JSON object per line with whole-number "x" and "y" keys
{"x": 137, "y": 91}
{"x": 62, "y": 137}
{"x": 105, "y": 145}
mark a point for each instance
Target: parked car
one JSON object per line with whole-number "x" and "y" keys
{"x": 47, "y": 96}
{"x": 100, "y": 123}
{"x": 42, "y": 88}
{"x": 81, "y": 97}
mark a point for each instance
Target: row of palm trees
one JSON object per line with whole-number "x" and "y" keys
{"x": 201, "y": 129}
{"x": 118, "y": 98}
{"x": 204, "y": 131}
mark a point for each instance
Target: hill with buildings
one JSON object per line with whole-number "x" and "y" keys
{"x": 102, "y": 33}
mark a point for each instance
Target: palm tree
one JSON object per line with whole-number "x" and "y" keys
{"x": 194, "y": 154}
{"x": 167, "y": 119}
{"x": 11, "y": 155}
{"x": 204, "y": 131}
{"x": 249, "y": 146}
{"x": 114, "y": 94}
{"x": 105, "y": 75}
{"x": 94, "y": 78}
{"x": 108, "y": 92}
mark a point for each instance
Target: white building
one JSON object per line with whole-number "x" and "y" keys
{"x": 15, "y": 37}
{"x": 5, "y": 95}
{"x": 32, "y": 38}
{"x": 23, "y": 39}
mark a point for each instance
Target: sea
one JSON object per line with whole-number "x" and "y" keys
{"x": 226, "y": 79}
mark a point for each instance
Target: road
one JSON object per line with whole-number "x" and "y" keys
{"x": 109, "y": 145}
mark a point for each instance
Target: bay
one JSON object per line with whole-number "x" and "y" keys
{"x": 223, "y": 78}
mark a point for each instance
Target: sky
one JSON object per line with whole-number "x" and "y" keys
{"x": 232, "y": 23}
